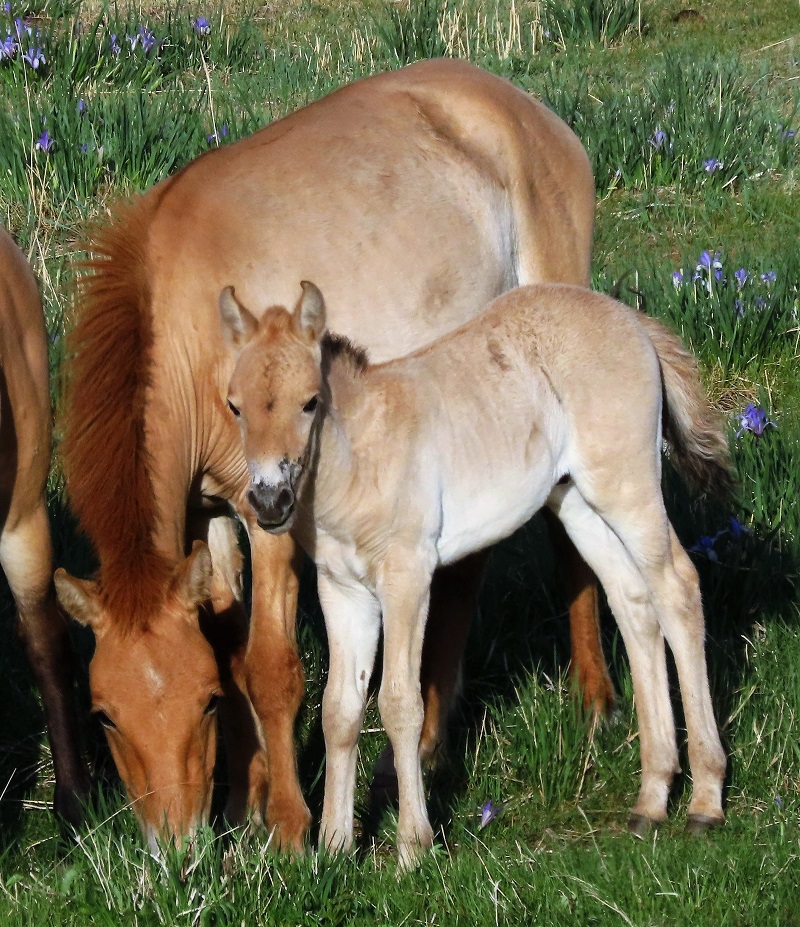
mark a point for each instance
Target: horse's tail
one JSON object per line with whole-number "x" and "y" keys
{"x": 693, "y": 429}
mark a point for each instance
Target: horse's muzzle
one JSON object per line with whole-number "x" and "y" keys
{"x": 273, "y": 505}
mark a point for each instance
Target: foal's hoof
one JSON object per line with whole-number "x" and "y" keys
{"x": 697, "y": 824}
{"x": 640, "y": 825}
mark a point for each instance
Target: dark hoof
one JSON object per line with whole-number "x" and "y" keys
{"x": 697, "y": 824}
{"x": 640, "y": 825}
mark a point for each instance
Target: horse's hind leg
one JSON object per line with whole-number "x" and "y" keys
{"x": 26, "y": 558}
{"x": 630, "y": 601}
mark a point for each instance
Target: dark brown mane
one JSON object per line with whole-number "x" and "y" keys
{"x": 105, "y": 459}
{"x": 339, "y": 348}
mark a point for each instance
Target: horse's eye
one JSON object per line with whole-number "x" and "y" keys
{"x": 213, "y": 705}
{"x": 233, "y": 409}
{"x": 103, "y": 718}
{"x": 311, "y": 405}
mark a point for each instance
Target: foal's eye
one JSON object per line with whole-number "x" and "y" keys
{"x": 311, "y": 405}
{"x": 213, "y": 705}
{"x": 103, "y": 718}
{"x": 233, "y": 409}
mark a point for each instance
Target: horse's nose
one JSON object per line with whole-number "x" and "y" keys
{"x": 272, "y": 504}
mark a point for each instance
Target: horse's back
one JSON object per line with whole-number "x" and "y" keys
{"x": 408, "y": 197}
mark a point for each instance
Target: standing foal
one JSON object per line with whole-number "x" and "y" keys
{"x": 384, "y": 473}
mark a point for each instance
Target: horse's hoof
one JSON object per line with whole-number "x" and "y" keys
{"x": 640, "y": 825}
{"x": 697, "y": 824}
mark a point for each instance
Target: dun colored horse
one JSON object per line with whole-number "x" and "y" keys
{"x": 438, "y": 184}
{"x": 385, "y": 473}
{"x": 25, "y": 548}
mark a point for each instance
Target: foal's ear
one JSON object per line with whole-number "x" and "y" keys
{"x": 192, "y": 582}
{"x": 309, "y": 313}
{"x": 79, "y": 599}
{"x": 238, "y": 323}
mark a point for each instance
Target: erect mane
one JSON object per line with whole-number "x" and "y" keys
{"x": 338, "y": 348}
{"x": 106, "y": 462}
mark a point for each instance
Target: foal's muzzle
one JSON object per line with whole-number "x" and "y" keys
{"x": 273, "y": 505}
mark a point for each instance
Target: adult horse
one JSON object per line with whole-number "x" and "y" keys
{"x": 438, "y": 184}
{"x": 25, "y": 546}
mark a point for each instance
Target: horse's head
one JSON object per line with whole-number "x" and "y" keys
{"x": 155, "y": 689}
{"x": 275, "y": 394}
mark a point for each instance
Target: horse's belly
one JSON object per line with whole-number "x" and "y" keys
{"x": 477, "y": 516}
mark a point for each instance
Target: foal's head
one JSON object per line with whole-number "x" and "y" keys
{"x": 276, "y": 394}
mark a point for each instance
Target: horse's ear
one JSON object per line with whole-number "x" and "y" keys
{"x": 79, "y": 598}
{"x": 238, "y": 323}
{"x": 309, "y": 313}
{"x": 193, "y": 577}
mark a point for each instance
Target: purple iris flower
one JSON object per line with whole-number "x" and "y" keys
{"x": 705, "y": 546}
{"x": 658, "y": 139}
{"x": 6, "y": 7}
{"x": 769, "y": 277}
{"x": 113, "y": 44}
{"x": 45, "y": 143}
{"x": 222, "y": 132}
{"x": 736, "y": 529}
{"x": 488, "y": 813}
{"x": 201, "y": 25}
{"x": 754, "y": 419}
{"x": 81, "y": 106}
{"x": 677, "y": 279}
{"x": 712, "y": 164}
{"x": 741, "y": 276}
{"x": 8, "y": 47}
{"x": 35, "y": 57}
{"x": 785, "y": 134}
{"x": 146, "y": 37}
{"x": 707, "y": 266}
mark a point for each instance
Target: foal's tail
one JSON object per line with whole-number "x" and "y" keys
{"x": 693, "y": 429}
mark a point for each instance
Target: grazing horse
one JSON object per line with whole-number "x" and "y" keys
{"x": 25, "y": 548}
{"x": 385, "y": 473}
{"x": 439, "y": 184}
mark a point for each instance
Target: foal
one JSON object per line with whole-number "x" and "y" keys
{"x": 555, "y": 396}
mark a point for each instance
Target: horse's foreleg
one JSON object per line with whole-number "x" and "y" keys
{"x": 26, "y": 557}
{"x": 246, "y": 759}
{"x": 588, "y": 668}
{"x": 352, "y": 622}
{"x": 404, "y": 592}
{"x": 275, "y": 680}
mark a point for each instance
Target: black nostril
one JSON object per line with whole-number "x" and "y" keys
{"x": 285, "y": 499}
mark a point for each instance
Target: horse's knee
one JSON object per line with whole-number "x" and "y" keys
{"x": 275, "y": 679}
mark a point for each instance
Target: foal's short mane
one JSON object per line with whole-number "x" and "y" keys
{"x": 342, "y": 349}
{"x": 106, "y": 461}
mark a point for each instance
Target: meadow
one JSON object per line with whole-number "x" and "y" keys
{"x": 692, "y": 121}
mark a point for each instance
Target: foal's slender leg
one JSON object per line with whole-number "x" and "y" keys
{"x": 353, "y": 621}
{"x": 630, "y": 600}
{"x": 275, "y": 679}
{"x": 26, "y": 558}
{"x": 404, "y": 591}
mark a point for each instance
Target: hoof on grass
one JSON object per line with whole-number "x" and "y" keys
{"x": 640, "y": 825}
{"x": 697, "y": 824}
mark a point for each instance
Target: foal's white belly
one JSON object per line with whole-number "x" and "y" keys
{"x": 475, "y": 516}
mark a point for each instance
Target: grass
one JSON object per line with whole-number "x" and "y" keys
{"x": 720, "y": 85}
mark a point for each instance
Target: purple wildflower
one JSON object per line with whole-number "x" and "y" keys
{"x": 658, "y": 139}
{"x": 677, "y": 279}
{"x": 45, "y": 143}
{"x": 754, "y": 419}
{"x": 7, "y": 7}
{"x": 779, "y": 801}
{"x": 769, "y": 277}
{"x": 81, "y": 106}
{"x": 736, "y": 529}
{"x": 146, "y": 37}
{"x": 741, "y": 276}
{"x": 760, "y": 302}
{"x": 201, "y": 25}
{"x": 113, "y": 44}
{"x": 222, "y": 132}
{"x": 8, "y": 48}
{"x": 34, "y": 57}
{"x": 488, "y": 813}
{"x": 705, "y": 546}
{"x": 712, "y": 164}
{"x": 707, "y": 266}
{"x": 785, "y": 135}
{"x": 83, "y": 148}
